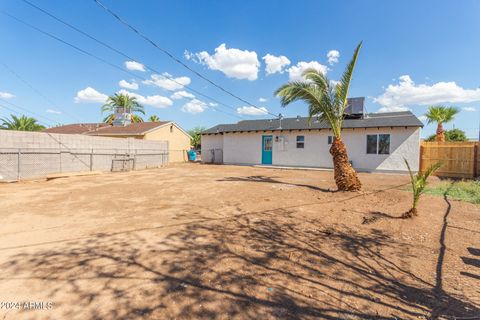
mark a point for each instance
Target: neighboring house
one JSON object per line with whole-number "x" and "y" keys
{"x": 375, "y": 142}
{"x": 178, "y": 139}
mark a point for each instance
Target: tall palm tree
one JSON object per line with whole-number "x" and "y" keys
{"x": 122, "y": 103}
{"x": 441, "y": 115}
{"x": 22, "y": 123}
{"x": 154, "y": 118}
{"x": 327, "y": 102}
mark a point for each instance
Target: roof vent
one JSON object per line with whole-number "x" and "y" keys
{"x": 298, "y": 118}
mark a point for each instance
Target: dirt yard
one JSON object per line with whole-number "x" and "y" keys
{"x": 225, "y": 242}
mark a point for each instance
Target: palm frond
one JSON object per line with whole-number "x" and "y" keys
{"x": 342, "y": 88}
{"x": 441, "y": 114}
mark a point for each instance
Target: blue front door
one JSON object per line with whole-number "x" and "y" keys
{"x": 267, "y": 144}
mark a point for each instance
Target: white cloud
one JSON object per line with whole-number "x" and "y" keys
{"x": 6, "y": 95}
{"x": 275, "y": 64}
{"x": 53, "y": 111}
{"x": 194, "y": 106}
{"x": 422, "y": 118}
{"x": 167, "y": 81}
{"x": 469, "y": 109}
{"x": 392, "y": 109}
{"x": 295, "y": 72}
{"x": 333, "y": 56}
{"x": 407, "y": 93}
{"x": 134, "y": 66}
{"x": 128, "y": 85}
{"x": 234, "y": 63}
{"x": 89, "y": 95}
{"x": 212, "y": 104}
{"x": 181, "y": 94}
{"x": 262, "y": 100}
{"x": 252, "y": 111}
{"x": 155, "y": 101}
{"x": 333, "y": 83}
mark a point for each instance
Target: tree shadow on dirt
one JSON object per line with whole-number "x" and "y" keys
{"x": 265, "y": 179}
{"x": 266, "y": 265}
{"x": 472, "y": 262}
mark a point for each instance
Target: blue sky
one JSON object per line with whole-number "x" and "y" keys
{"x": 415, "y": 53}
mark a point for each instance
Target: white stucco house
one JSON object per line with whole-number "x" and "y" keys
{"x": 375, "y": 142}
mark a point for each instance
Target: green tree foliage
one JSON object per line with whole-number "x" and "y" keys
{"x": 125, "y": 104}
{"x": 22, "y": 123}
{"x": 419, "y": 182}
{"x": 450, "y": 135}
{"x": 196, "y": 134}
{"x": 154, "y": 118}
{"x": 441, "y": 115}
{"x": 327, "y": 102}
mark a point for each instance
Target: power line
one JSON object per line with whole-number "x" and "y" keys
{"x": 26, "y": 110}
{"x": 20, "y": 114}
{"x": 53, "y": 104}
{"x": 91, "y": 54}
{"x": 171, "y": 56}
{"x": 106, "y": 45}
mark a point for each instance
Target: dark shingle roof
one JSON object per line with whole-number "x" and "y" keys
{"x": 100, "y": 129}
{"x": 372, "y": 120}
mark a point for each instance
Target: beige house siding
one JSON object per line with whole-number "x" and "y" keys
{"x": 122, "y": 136}
{"x": 178, "y": 141}
{"x": 246, "y": 148}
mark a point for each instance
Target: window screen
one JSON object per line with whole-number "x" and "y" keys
{"x": 300, "y": 142}
{"x": 371, "y": 143}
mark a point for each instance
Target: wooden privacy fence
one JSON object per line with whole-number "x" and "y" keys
{"x": 460, "y": 159}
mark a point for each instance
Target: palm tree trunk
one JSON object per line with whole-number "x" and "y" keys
{"x": 440, "y": 133}
{"x": 345, "y": 176}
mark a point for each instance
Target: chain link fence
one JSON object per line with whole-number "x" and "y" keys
{"x": 28, "y": 163}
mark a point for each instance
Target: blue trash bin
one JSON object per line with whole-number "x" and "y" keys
{"x": 192, "y": 155}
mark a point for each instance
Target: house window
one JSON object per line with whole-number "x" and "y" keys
{"x": 383, "y": 144}
{"x": 300, "y": 142}
{"x": 171, "y": 128}
{"x": 378, "y": 144}
{"x": 330, "y": 140}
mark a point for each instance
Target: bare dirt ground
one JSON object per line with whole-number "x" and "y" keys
{"x": 226, "y": 242}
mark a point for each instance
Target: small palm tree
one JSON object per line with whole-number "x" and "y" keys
{"x": 440, "y": 115}
{"x": 327, "y": 102}
{"x": 419, "y": 182}
{"x": 22, "y": 123}
{"x": 122, "y": 103}
{"x": 154, "y": 118}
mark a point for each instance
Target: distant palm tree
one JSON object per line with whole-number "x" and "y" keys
{"x": 22, "y": 123}
{"x": 327, "y": 102}
{"x": 441, "y": 115}
{"x": 122, "y": 103}
{"x": 154, "y": 118}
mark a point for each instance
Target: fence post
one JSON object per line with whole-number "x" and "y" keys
{"x": 19, "y": 162}
{"x": 475, "y": 160}
{"x": 135, "y": 160}
{"x": 91, "y": 159}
